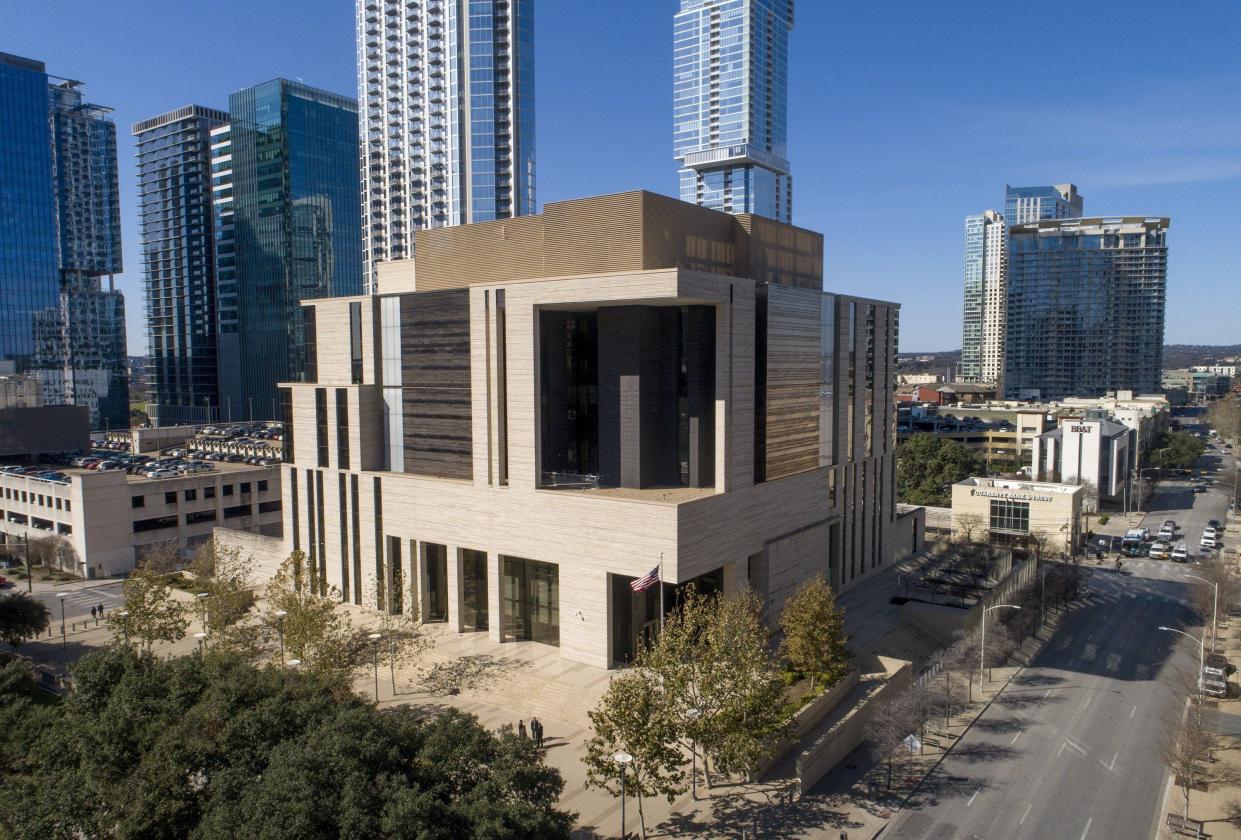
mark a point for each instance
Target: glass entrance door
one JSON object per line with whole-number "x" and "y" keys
{"x": 531, "y": 596}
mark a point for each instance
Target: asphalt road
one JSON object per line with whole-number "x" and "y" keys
{"x": 1068, "y": 750}
{"x": 78, "y": 600}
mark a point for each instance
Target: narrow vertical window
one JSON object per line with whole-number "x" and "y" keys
{"x": 310, "y": 350}
{"x": 501, "y": 387}
{"x": 321, "y": 424}
{"x": 342, "y": 429}
{"x": 355, "y": 342}
{"x": 286, "y": 417}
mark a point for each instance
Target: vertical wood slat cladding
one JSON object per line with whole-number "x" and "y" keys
{"x": 435, "y": 371}
{"x": 792, "y": 381}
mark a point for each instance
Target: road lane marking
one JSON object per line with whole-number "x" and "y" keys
{"x": 1025, "y": 814}
{"x": 1087, "y": 828}
{"x": 1133, "y": 711}
{"x": 1015, "y": 737}
{"x": 1072, "y": 661}
{"x": 971, "y": 802}
{"x": 1112, "y": 766}
{"x": 1087, "y": 703}
{"x": 1046, "y": 694}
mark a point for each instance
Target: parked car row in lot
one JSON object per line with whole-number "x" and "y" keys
{"x": 37, "y": 472}
{"x": 202, "y": 456}
{"x": 263, "y": 432}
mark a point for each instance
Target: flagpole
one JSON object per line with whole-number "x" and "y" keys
{"x": 661, "y": 592}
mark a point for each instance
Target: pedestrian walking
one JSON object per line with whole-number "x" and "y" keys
{"x": 101, "y": 610}
{"x": 536, "y": 732}
{"x": 93, "y": 614}
{"x": 521, "y": 729}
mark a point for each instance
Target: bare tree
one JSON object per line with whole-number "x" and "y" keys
{"x": 1090, "y": 501}
{"x": 1185, "y": 745}
{"x": 968, "y": 527}
{"x": 161, "y": 558}
{"x": 892, "y": 721}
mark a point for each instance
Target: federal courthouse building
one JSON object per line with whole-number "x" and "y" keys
{"x": 545, "y": 408}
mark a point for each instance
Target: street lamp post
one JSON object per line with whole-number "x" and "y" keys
{"x": 1201, "y": 646}
{"x": 64, "y": 639}
{"x": 375, "y": 637}
{"x": 982, "y": 650}
{"x": 693, "y": 715}
{"x": 202, "y": 608}
{"x": 124, "y": 614}
{"x": 622, "y": 760}
{"x": 294, "y": 663}
{"x": 280, "y": 614}
{"x": 202, "y": 640}
{"x": 1214, "y": 608}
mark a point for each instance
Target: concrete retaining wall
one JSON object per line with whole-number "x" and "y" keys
{"x": 267, "y": 552}
{"x": 939, "y": 622}
{"x": 808, "y": 717}
{"x": 843, "y": 737}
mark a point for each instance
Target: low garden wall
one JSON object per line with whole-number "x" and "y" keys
{"x": 808, "y": 717}
{"x": 847, "y": 733}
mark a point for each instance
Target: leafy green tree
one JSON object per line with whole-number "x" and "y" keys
{"x": 1176, "y": 451}
{"x": 713, "y": 659}
{"x": 635, "y": 716}
{"x": 226, "y": 577}
{"x": 151, "y": 613}
{"x": 927, "y": 466}
{"x": 814, "y": 632}
{"x": 315, "y": 630}
{"x": 21, "y": 618}
{"x": 209, "y": 747}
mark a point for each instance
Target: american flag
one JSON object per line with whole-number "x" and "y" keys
{"x": 646, "y": 581}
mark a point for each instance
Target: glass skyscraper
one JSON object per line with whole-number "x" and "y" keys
{"x": 60, "y": 233}
{"x": 1037, "y": 204}
{"x": 1085, "y": 306}
{"x": 730, "y": 105}
{"x": 982, "y": 332}
{"x": 446, "y": 89}
{"x": 178, "y": 255}
{"x": 285, "y": 184}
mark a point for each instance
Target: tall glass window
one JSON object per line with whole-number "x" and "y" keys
{"x": 530, "y": 593}
{"x": 474, "y": 589}
{"x": 827, "y": 380}
{"x": 342, "y": 429}
{"x": 321, "y": 425}
{"x": 1008, "y": 517}
{"x": 435, "y": 560}
{"x": 355, "y": 343}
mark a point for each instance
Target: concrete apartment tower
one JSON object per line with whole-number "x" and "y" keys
{"x": 982, "y": 335}
{"x": 557, "y": 404}
{"x": 730, "y": 105}
{"x": 446, "y": 95}
{"x": 178, "y": 261}
{"x": 61, "y": 229}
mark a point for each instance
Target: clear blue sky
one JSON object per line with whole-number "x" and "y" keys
{"x": 904, "y": 117}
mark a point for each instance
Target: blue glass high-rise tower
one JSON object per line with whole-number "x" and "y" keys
{"x": 178, "y": 255}
{"x": 285, "y": 180}
{"x": 730, "y": 105}
{"x": 60, "y": 233}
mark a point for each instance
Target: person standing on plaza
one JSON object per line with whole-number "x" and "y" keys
{"x": 521, "y": 729}
{"x": 536, "y": 732}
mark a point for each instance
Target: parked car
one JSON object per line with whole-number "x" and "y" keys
{"x": 161, "y": 473}
{"x": 1160, "y": 551}
{"x": 1180, "y": 554}
{"x": 1212, "y": 685}
{"x": 1216, "y": 524}
{"x": 1209, "y": 541}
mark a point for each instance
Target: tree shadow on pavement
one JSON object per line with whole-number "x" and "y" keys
{"x": 1027, "y": 699}
{"x": 759, "y": 810}
{"x": 978, "y": 753}
{"x": 1000, "y": 726}
{"x": 1029, "y": 679}
{"x": 941, "y": 785}
{"x": 468, "y": 672}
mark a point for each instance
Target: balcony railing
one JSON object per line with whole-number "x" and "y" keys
{"x": 569, "y": 479}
